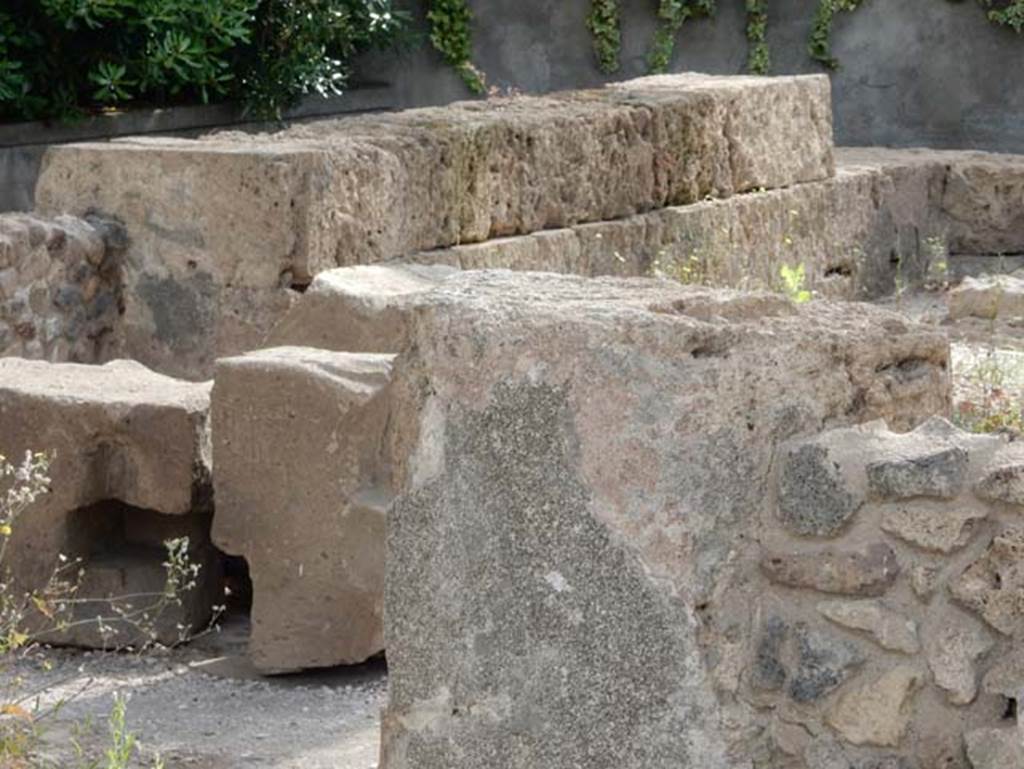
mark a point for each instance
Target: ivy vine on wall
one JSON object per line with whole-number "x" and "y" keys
{"x": 604, "y": 22}
{"x": 450, "y": 31}
{"x": 451, "y": 35}
{"x": 759, "y": 59}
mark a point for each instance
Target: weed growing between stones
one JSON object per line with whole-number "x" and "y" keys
{"x": 56, "y": 607}
{"x": 996, "y": 399}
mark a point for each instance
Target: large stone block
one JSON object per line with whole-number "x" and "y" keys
{"x": 302, "y": 486}
{"x": 858, "y": 235}
{"x": 573, "y": 558}
{"x": 236, "y": 213}
{"x": 130, "y": 468}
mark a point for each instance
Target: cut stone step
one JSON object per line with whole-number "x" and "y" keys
{"x": 302, "y": 487}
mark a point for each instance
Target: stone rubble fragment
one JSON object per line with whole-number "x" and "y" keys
{"x": 1004, "y": 478}
{"x": 940, "y": 528}
{"x": 868, "y": 571}
{"x": 993, "y": 585}
{"x": 953, "y": 652}
{"x": 879, "y": 712}
{"x": 890, "y": 629}
{"x": 995, "y": 748}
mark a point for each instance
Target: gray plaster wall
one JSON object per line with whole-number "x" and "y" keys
{"x": 913, "y": 72}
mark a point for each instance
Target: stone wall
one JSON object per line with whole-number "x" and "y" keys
{"x": 585, "y": 474}
{"x": 60, "y": 287}
{"x": 890, "y": 616}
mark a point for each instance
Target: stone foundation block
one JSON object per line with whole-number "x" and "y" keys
{"x": 302, "y": 488}
{"x": 130, "y": 468}
{"x": 573, "y": 559}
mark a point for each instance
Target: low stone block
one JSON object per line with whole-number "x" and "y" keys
{"x": 583, "y": 475}
{"x": 358, "y": 309}
{"x": 302, "y": 488}
{"x": 233, "y": 216}
{"x": 990, "y": 296}
{"x": 118, "y": 433}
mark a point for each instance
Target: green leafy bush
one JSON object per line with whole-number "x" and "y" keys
{"x": 60, "y": 58}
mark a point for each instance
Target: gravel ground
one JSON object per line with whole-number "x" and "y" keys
{"x": 203, "y": 707}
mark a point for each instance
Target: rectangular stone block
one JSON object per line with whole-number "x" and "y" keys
{"x": 130, "y": 450}
{"x": 218, "y": 226}
{"x": 302, "y": 488}
{"x": 857, "y": 236}
{"x": 572, "y": 557}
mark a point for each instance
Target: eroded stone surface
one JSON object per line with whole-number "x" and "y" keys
{"x": 877, "y": 713}
{"x": 238, "y": 214}
{"x": 995, "y": 748}
{"x": 887, "y": 627}
{"x": 1006, "y": 676}
{"x": 868, "y": 571}
{"x": 302, "y": 489}
{"x": 952, "y": 654}
{"x": 993, "y": 586}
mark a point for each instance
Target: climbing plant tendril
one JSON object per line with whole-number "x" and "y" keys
{"x": 604, "y": 22}
{"x": 820, "y": 44}
{"x": 758, "y": 57}
{"x": 671, "y": 16}
{"x": 450, "y": 34}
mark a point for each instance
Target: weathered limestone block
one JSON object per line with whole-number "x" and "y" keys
{"x": 302, "y": 487}
{"x": 572, "y": 560}
{"x": 990, "y": 296}
{"x": 976, "y": 200}
{"x": 234, "y": 213}
{"x": 358, "y": 309}
{"x": 857, "y": 236}
{"x": 130, "y": 468}
{"x": 60, "y": 287}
